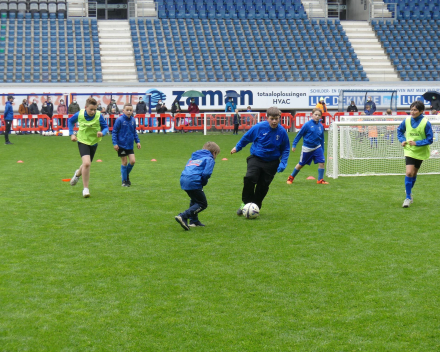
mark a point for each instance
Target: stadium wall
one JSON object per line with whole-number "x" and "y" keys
{"x": 259, "y": 97}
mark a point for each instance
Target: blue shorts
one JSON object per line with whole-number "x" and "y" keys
{"x": 316, "y": 155}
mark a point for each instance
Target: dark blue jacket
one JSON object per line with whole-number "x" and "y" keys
{"x": 124, "y": 132}
{"x": 197, "y": 171}
{"x": 372, "y": 107}
{"x": 9, "y": 111}
{"x": 267, "y": 143}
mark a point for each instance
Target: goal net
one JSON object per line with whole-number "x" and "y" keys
{"x": 368, "y": 148}
{"x": 218, "y": 123}
{"x": 383, "y": 99}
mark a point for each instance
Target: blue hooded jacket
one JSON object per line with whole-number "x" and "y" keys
{"x": 267, "y": 143}
{"x": 124, "y": 132}
{"x": 313, "y": 134}
{"x": 197, "y": 171}
{"x": 9, "y": 112}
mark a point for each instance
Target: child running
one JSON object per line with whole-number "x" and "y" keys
{"x": 313, "y": 147}
{"x": 415, "y": 135}
{"x": 123, "y": 136}
{"x": 194, "y": 177}
{"x": 91, "y": 128}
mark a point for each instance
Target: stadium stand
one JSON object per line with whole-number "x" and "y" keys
{"x": 411, "y": 47}
{"x": 48, "y": 48}
{"x": 230, "y": 50}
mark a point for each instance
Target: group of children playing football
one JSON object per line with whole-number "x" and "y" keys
{"x": 269, "y": 153}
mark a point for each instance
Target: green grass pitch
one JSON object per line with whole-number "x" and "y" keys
{"x": 339, "y": 267}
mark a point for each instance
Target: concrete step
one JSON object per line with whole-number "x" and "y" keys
{"x": 117, "y": 53}
{"x": 116, "y": 47}
{"x": 114, "y": 59}
{"x": 376, "y": 65}
{"x": 371, "y": 46}
{"x": 379, "y": 70}
{"x": 381, "y": 78}
{"x": 128, "y": 64}
{"x": 115, "y": 36}
{"x": 120, "y": 78}
{"x": 372, "y": 58}
{"x": 120, "y": 71}
{"x": 112, "y": 41}
{"x": 360, "y": 41}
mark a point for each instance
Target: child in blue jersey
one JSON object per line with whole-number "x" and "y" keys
{"x": 194, "y": 177}
{"x": 415, "y": 135}
{"x": 313, "y": 146}
{"x": 270, "y": 143}
{"x": 91, "y": 128}
{"x": 123, "y": 136}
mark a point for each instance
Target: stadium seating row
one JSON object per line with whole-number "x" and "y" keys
{"x": 411, "y": 48}
{"x": 49, "y": 51}
{"x": 257, "y": 53}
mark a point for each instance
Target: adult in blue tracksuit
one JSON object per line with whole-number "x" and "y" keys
{"x": 230, "y": 104}
{"x": 194, "y": 177}
{"x": 313, "y": 146}
{"x": 123, "y": 136}
{"x": 8, "y": 116}
{"x": 270, "y": 143}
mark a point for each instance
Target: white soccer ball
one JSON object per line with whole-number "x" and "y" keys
{"x": 434, "y": 153}
{"x": 44, "y": 133}
{"x": 251, "y": 211}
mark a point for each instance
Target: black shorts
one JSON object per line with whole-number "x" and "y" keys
{"x": 411, "y": 161}
{"x": 85, "y": 149}
{"x": 124, "y": 152}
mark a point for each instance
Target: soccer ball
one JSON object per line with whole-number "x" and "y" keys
{"x": 251, "y": 211}
{"x": 44, "y": 133}
{"x": 434, "y": 153}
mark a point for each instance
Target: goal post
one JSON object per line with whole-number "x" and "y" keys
{"x": 384, "y": 99}
{"x": 371, "y": 148}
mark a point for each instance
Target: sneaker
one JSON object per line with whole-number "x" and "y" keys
{"x": 406, "y": 203}
{"x": 240, "y": 210}
{"x": 128, "y": 181}
{"x": 86, "y": 193}
{"x": 125, "y": 184}
{"x": 182, "y": 221}
{"x": 8, "y": 143}
{"x": 74, "y": 180}
{"x": 196, "y": 224}
{"x": 322, "y": 182}
{"x": 290, "y": 180}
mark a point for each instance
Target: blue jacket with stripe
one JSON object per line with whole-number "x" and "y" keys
{"x": 267, "y": 143}
{"x": 197, "y": 171}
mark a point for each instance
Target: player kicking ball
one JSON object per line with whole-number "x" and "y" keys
{"x": 91, "y": 128}
{"x": 313, "y": 147}
{"x": 123, "y": 137}
{"x": 415, "y": 135}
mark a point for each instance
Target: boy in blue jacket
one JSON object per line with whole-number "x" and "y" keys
{"x": 269, "y": 154}
{"x": 197, "y": 171}
{"x": 124, "y": 134}
{"x": 313, "y": 147}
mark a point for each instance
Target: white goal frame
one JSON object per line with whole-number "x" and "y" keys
{"x": 336, "y": 146}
